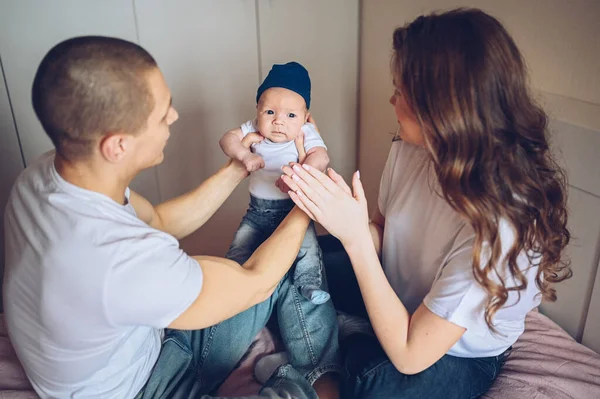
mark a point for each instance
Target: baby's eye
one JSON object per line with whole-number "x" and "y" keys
{"x": 270, "y": 112}
{"x": 291, "y": 115}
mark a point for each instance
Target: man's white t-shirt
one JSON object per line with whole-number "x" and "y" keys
{"x": 275, "y": 155}
{"x": 88, "y": 287}
{"x": 427, "y": 257}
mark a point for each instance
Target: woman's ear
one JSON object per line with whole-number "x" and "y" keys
{"x": 306, "y": 116}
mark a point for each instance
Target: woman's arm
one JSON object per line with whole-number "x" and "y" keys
{"x": 376, "y": 228}
{"x": 412, "y": 342}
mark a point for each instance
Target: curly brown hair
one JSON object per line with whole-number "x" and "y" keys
{"x": 465, "y": 79}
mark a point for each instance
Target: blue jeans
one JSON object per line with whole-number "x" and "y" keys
{"x": 261, "y": 220}
{"x": 308, "y": 330}
{"x": 193, "y": 363}
{"x": 369, "y": 372}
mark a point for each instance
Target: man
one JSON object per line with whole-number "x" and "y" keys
{"x": 94, "y": 272}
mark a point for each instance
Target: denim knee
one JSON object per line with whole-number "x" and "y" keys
{"x": 309, "y": 333}
{"x": 309, "y": 270}
{"x": 246, "y": 240}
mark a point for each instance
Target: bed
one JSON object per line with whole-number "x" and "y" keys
{"x": 545, "y": 363}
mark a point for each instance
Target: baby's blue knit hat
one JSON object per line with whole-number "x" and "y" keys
{"x": 291, "y": 76}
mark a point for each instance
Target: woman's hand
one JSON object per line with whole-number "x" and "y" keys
{"x": 328, "y": 200}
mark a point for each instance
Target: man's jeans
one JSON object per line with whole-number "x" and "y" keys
{"x": 308, "y": 330}
{"x": 194, "y": 363}
{"x": 259, "y": 222}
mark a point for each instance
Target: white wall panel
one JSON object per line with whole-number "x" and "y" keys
{"x": 570, "y": 309}
{"x": 28, "y": 29}
{"x": 591, "y": 333}
{"x": 11, "y": 163}
{"x": 323, "y": 36}
{"x": 208, "y": 53}
{"x": 576, "y": 148}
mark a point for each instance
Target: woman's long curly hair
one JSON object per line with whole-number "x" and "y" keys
{"x": 466, "y": 82}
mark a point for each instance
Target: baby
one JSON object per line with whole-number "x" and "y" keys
{"x": 283, "y": 101}
{"x": 305, "y": 316}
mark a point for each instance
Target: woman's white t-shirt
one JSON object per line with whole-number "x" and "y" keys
{"x": 427, "y": 257}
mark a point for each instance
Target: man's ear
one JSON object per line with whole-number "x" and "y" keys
{"x": 113, "y": 147}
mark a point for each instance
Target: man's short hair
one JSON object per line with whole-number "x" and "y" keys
{"x": 89, "y": 86}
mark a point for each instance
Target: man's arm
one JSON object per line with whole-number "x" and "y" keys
{"x": 183, "y": 215}
{"x": 229, "y": 289}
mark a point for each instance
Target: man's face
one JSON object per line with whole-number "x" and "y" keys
{"x": 151, "y": 141}
{"x": 280, "y": 114}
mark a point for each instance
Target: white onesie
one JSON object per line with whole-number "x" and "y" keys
{"x": 275, "y": 155}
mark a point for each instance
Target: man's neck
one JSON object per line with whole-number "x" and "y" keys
{"x": 88, "y": 175}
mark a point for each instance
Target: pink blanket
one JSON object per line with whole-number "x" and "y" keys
{"x": 545, "y": 363}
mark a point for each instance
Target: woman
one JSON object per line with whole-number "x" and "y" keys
{"x": 471, "y": 218}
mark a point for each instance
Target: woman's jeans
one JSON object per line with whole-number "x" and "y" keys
{"x": 369, "y": 372}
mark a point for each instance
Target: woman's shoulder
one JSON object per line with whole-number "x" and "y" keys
{"x": 407, "y": 169}
{"x": 459, "y": 258}
{"x": 404, "y": 156}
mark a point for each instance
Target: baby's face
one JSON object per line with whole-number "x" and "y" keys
{"x": 280, "y": 114}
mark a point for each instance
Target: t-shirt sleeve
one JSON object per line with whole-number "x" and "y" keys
{"x": 312, "y": 138}
{"x": 248, "y": 127}
{"x": 152, "y": 281}
{"x": 386, "y": 180}
{"x": 455, "y": 295}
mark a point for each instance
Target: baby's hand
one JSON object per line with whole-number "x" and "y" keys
{"x": 251, "y": 139}
{"x": 299, "y": 141}
{"x": 253, "y": 162}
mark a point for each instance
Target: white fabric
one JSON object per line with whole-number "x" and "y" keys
{"x": 88, "y": 287}
{"x": 275, "y": 155}
{"x": 427, "y": 252}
